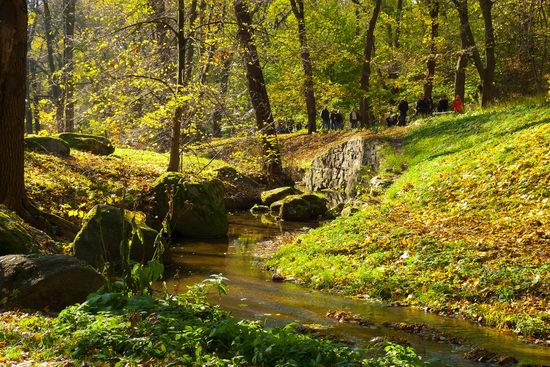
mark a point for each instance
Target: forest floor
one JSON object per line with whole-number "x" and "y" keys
{"x": 465, "y": 230}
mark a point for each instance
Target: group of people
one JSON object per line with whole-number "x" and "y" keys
{"x": 425, "y": 106}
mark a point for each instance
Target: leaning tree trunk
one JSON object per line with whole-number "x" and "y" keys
{"x": 432, "y": 58}
{"x": 13, "y": 74}
{"x": 68, "y": 52}
{"x": 258, "y": 93}
{"x": 366, "y": 109}
{"x": 488, "y": 81}
{"x": 298, "y": 9}
{"x": 174, "y": 163}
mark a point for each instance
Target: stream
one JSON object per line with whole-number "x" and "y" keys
{"x": 252, "y": 295}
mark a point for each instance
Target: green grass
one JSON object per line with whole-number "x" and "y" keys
{"x": 120, "y": 330}
{"x": 465, "y": 229}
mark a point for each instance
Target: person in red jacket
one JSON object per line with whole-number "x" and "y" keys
{"x": 458, "y": 105}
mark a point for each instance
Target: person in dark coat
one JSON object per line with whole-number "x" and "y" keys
{"x": 339, "y": 120}
{"x": 325, "y": 117}
{"x": 333, "y": 120}
{"x": 403, "y": 108}
{"x": 431, "y": 106}
{"x": 443, "y": 104}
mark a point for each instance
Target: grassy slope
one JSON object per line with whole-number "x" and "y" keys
{"x": 70, "y": 187}
{"x": 466, "y": 229}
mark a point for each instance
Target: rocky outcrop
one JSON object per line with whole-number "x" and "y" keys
{"x": 88, "y": 143}
{"x": 271, "y": 196}
{"x": 340, "y": 168}
{"x": 300, "y": 208}
{"x": 51, "y": 281}
{"x": 47, "y": 145}
{"x": 240, "y": 192}
{"x": 198, "y": 207}
{"x": 103, "y": 230}
{"x": 14, "y": 236}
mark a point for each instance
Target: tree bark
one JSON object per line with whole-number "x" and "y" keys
{"x": 13, "y": 74}
{"x": 258, "y": 93}
{"x": 431, "y": 63}
{"x": 190, "y": 44}
{"x": 57, "y": 94}
{"x": 488, "y": 84}
{"x": 224, "y": 87}
{"x": 298, "y": 10}
{"x": 460, "y": 75}
{"x": 174, "y": 163}
{"x": 68, "y": 62}
{"x": 398, "y": 18}
{"x": 366, "y": 109}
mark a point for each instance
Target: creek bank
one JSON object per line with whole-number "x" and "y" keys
{"x": 45, "y": 282}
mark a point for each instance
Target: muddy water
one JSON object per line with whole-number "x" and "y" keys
{"x": 252, "y": 295}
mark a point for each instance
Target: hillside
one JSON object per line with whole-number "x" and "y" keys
{"x": 464, "y": 230}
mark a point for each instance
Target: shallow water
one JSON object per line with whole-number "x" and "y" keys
{"x": 252, "y": 295}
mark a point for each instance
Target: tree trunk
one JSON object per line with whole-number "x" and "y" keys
{"x": 298, "y": 9}
{"x": 174, "y": 164}
{"x": 224, "y": 87}
{"x": 69, "y": 9}
{"x": 190, "y": 43}
{"x": 432, "y": 59}
{"x": 13, "y": 74}
{"x": 366, "y": 111}
{"x": 460, "y": 75}
{"x": 28, "y": 105}
{"x": 399, "y": 17}
{"x": 161, "y": 30}
{"x": 258, "y": 93}
{"x": 488, "y": 87}
{"x": 57, "y": 95}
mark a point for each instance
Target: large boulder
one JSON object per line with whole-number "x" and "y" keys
{"x": 300, "y": 208}
{"x": 240, "y": 192}
{"x": 198, "y": 207}
{"x": 88, "y": 143}
{"x": 103, "y": 230}
{"x": 15, "y": 238}
{"x": 51, "y": 281}
{"x": 47, "y": 145}
{"x": 271, "y": 196}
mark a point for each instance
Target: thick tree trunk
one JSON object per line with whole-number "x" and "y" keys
{"x": 431, "y": 63}
{"x": 13, "y": 74}
{"x": 57, "y": 93}
{"x": 258, "y": 93}
{"x": 298, "y": 9}
{"x": 68, "y": 61}
{"x": 488, "y": 85}
{"x": 366, "y": 109}
{"x": 174, "y": 163}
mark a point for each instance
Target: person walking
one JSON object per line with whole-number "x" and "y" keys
{"x": 443, "y": 104}
{"x": 353, "y": 118}
{"x": 458, "y": 105}
{"x": 339, "y": 120}
{"x": 325, "y": 117}
{"x": 333, "y": 120}
{"x": 403, "y": 108}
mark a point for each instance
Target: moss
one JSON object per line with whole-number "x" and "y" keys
{"x": 271, "y": 196}
{"x": 47, "y": 144}
{"x": 300, "y": 208}
{"x": 88, "y": 143}
{"x": 14, "y": 237}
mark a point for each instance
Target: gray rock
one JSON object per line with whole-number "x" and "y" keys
{"x": 88, "y": 143}
{"x": 51, "y": 281}
{"x": 240, "y": 191}
{"x": 102, "y": 232}
{"x": 271, "y": 196}
{"x": 198, "y": 207}
{"x": 47, "y": 145}
{"x": 300, "y": 208}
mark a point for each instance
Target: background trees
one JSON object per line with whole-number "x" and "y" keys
{"x": 122, "y": 61}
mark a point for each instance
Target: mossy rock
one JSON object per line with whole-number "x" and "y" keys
{"x": 88, "y": 143}
{"x": 300, "y": 208}
{"x": 198, "y": 207}
{"x": 103, "y": 230}
{"x": 271, "y": 196}
{"x": 14, "y": 236}
{"x": 47, "y": 145}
